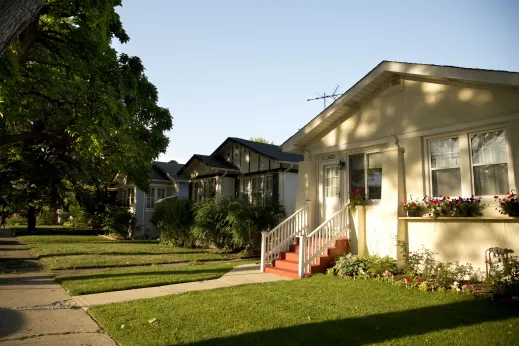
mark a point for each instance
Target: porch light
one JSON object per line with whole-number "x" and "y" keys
{"x": 341, "y": 165}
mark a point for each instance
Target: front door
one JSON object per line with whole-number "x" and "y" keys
{"x": 332, "y": 190}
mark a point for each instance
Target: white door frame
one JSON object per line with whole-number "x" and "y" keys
{"x": 342, "y": 182}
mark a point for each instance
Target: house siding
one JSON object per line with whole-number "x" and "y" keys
{"x": 412, "y": 113}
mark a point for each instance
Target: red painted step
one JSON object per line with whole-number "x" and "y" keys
{"x": 288, "y": 262}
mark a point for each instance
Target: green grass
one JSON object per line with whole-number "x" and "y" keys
{"x": 321, "y": 310}
{"x": 115, "y": 280}
{"x": 65, "y": 252}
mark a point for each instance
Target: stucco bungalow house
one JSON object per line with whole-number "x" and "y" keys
{"x": 239, "y": 168}
{"x": 404, "y": 130}
{"x": 165, "y": 183}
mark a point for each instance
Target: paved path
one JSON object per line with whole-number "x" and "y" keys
{"x": 34, "y": 309}
{"x": 241, "y": 275}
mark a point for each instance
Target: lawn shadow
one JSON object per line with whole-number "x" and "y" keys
{"x": 380, "y": 327}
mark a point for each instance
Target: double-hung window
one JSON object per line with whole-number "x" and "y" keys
{"x": 489, "y": 163}
{"x": 445, "y": 167}
{"x": 366, "y": 174}
{"x": 257, "y": 190}
{"x": 478, "y": 167}
{"x": 150, "y": 198}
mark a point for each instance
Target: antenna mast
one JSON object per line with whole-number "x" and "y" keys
{"x": 324, "y": 96}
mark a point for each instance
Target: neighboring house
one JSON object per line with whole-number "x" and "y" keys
{"x": 239, "y": 167}
{"x": 409, "y": 130}
{"x": 165, "y": 182}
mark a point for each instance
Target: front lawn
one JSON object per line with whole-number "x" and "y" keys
{"x": 115, "y": 280}
{"x": 65, "y": 252}
{"x": 321, "y": 310}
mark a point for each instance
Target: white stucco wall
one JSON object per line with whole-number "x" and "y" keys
{"x": 398, "y": 124}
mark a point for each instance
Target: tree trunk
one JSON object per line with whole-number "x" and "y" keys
{"x": 31, "y": 219}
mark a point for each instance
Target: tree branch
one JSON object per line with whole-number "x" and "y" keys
{"x": 28, "y": 137}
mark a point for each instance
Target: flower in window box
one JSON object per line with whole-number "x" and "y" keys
{"x": 356, "y": 198}
{"x": 509, "y": 205}
{"x": 414, "y": 208}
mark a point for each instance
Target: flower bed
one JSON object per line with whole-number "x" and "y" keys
{"x": 422, "y": 271}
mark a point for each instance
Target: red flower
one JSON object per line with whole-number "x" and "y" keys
{"x": 408, "y": 279}
{"x": 419, "y": 281}
{"x": 410, "y": 252}
{"x": 414, "y": 205}
{"x": 496, "y": 197}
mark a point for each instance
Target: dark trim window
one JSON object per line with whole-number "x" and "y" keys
{"x": 368, "y": 181}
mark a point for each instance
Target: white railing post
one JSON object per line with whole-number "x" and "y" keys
{"x": 263, "y": 250}
{"x": 302, "y": 248}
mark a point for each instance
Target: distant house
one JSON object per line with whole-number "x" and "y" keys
{"x": 239, "y": 168}
{"x": 165, "y": 183}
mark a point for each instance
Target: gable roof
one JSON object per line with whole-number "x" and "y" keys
{"x": 378, "y": 78}
{"x": 166, "y": 170}
{"x": 269, "y": 150}
{"x": 210, "y": 161}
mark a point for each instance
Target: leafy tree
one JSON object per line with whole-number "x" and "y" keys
{"x": 73, "y": 112}
{"x": 260, "y": 140}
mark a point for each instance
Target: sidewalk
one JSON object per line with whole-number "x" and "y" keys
{"x": 241, "y": 275}
{"x": 35, "y": 310}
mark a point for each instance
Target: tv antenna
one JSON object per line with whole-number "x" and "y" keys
{"x": 324, "y": 96}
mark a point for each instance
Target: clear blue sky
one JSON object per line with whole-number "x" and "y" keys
{"x": 245, "y": 68}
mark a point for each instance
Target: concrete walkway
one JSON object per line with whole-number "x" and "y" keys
{"x": 241, "y": 275}
{"x": 35, "y": 310}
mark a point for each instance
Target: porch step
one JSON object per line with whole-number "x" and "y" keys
{"x": 282, "y": 272}
{"x": 288, "y": 262}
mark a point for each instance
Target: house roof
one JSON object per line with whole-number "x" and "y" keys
{"x": 210, "y": 161}
{"x": 162, "y": 170}
{"x": 378, "y": 78}
{"x": 270, "y": 150}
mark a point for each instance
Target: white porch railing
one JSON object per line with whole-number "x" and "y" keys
{"x": 315, "y": 244}
{"x": 280, "y": 238}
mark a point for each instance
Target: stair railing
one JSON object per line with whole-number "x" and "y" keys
{"x": 315, "y": 244}
{"x": 282, "y": 236}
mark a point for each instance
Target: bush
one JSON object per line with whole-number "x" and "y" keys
{"x": 377, "y": 265}
{"x": 372, "y": 266}
{"x": 78, "y": 217}
{"x": 174, "y": 219}
{"x": 234, "y": 224}
{"x": 210, "y": 226}
{"x": 504, "y": 280}
{"x": 47, "y": 216}
{"x": 16, "y": 219}
{"x": 114, "y": 220}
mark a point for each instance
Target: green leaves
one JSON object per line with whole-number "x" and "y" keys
{"x": 72, "y": 108}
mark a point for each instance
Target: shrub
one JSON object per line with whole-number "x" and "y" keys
{"x": 16, "y": 219}
{"x": 47, "y": 216}
{"x": 234, "y": 224}
{"x": 504, "y": 279}
{"x": 174, "y": 219}
{"x": 377, "y": 265}
{"x": 349, "y": 266}
{"x": 210, "y": 224}
{"x": 78, "y": 217}
{"x": 414, "y": 208}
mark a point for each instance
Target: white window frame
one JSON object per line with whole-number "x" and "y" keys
{"x": 472, "y": 164}
{"x": 466, "y": 167}
{"x": 246, "y": 187}
{"x": 431, "y": 169}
